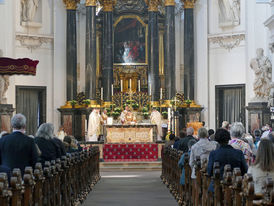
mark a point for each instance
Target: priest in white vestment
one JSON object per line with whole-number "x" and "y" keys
{"x": 156, "y": 118}
{"x": 94, "y": 125}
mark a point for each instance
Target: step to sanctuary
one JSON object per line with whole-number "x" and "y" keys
{"x": 131, "y": 166}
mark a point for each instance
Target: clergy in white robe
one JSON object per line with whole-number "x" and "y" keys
{"x": 94, "y": 125}
{"x": 156, "y": 118}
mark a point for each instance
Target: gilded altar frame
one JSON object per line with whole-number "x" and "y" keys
{"x": 146, "y": 37}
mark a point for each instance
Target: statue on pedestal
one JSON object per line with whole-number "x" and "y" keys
{"x": 4, "y": 84}
{"x": 29, "y": 9}
{"x": 263, "y": 75}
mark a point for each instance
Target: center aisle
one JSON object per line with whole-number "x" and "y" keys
{"x": 130, "y": 189}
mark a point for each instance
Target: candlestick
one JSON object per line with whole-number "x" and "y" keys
{"x": 139, "y": 85}
{"x": 130, "y": 84}
{"x": 121, "y": 85}
{"x": 161, "y": 93}
{"x": 149, "y": 89}
{"x": 102, "y": 93}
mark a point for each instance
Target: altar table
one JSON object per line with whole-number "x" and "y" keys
{"x": 118, "y": 133}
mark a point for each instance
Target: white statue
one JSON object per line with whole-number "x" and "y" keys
{"x": 263, "y": 74}
{"x": 229, "y": 12}
{"x": 4, "y": 84}
{"x": 29, "y": 9}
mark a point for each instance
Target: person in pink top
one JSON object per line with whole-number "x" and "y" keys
{"x": 236, "y": 131}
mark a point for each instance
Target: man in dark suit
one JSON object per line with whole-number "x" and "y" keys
{"x": 183, "y": 146}
{"x": 17, "y": 150}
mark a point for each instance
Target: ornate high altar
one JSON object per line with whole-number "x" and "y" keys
{"x": 130, "y": 59}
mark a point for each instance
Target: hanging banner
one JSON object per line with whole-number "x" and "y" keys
{"x": 24, "y": 66}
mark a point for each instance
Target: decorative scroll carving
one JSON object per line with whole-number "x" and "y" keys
{"x": 108, "y": 5}
{"x": 71, "y": 4}
{"x": 32, "y": 41}
{"x": 189, "y": 4}
{"x": 125, "y": 5}
{"x": 227, "y": 41}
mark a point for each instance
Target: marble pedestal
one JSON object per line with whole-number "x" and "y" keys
{"x": 74, "y": 121}
{"x": 258, "y": 115}
{"x": 6, "y": 111}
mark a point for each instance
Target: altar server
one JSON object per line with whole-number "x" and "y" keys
{"x": 94, "y": 125}
{"x": 156, "y": 118}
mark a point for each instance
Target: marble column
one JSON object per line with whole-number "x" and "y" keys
{"x": 107, "y": 69}
{"x": 91, "y": 50}
{"x": 189, "y": 78}
{"x": 170, "y": 80}
{"x": 153, "y": 51}
{"x": 71, "y": 56}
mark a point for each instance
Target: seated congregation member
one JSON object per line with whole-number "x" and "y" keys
{"x": 184, "y": 143}
{"x": 226, "y": 125}
{"x": 18, "y": 150}
{"x": 257, "y": 136}
{"x": 201, "y": 149}
{"x": 181, "y": 162}
{"x": 4, "y": 133}
{"x": 182, "y": 135}
{"x": 44, "y": 139}
{"x": 171, "y": 141}
{"x": 71, "y": 145}
{"x": 264, "y": 164}
{"x": 225, "y": 154}
{"x": 60, "y": 145}
{"x": 237, "y": 131}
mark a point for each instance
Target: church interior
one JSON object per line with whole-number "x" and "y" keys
{"x": 106, "y": 102}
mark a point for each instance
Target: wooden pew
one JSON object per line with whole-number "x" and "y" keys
{"x": 5, "y": 192}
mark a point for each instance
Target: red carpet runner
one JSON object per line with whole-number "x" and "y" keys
{"x": 130, "y": 152}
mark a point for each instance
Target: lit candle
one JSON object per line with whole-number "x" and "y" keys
{"x": 149, "y": 89}
{"x": 102, "y": 93}
{"x": 112, "y": 90}
{"x": 139, "y": 85}
{"x": 129, "y": 84}
{"x": 161, "y": 93}
{"x": 121, "y": 85}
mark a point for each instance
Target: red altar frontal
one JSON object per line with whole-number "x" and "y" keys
{"x": 130, "y": 152}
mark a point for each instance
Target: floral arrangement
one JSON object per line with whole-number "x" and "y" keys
{"x": 72, "y": 102}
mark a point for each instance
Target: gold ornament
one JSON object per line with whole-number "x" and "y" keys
{"x": 108, "y": 5}
{"x": 71, "y": 4}
{"x": 153, "y": 4}
{"x": 189, "y": 4}
{"x": 91, "y": 2}
{"x": 169, "y": 2}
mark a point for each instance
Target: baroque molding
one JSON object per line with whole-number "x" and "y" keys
{"x": 33, "y": 41}
{"x": 189, "y": 4}
{"x": 153, "y": 4}
{"x": 91, "y": 2}
{"x": 108, "y": 5}
{"x": 170, "y": 3}
{"x": 227, "y": 41}
{"x": 71, "y": 4}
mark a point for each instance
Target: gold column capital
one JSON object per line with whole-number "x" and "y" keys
{"x": 91, "y": 2}
{"x": 189, "y": 4}
{"x": 153, "y": 4}
{"x": 169, "y": 2}
{"x": 71, "y": 4}
{"x": 108, "y": 5}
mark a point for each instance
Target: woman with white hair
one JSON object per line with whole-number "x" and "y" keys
{"x": 44, "y": 139}
{"x": 237, "y": 131}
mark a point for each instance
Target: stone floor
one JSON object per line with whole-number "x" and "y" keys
{"x": 130, "y": 189}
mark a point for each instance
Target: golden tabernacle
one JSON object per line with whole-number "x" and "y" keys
{"x": 130, "y": 133}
